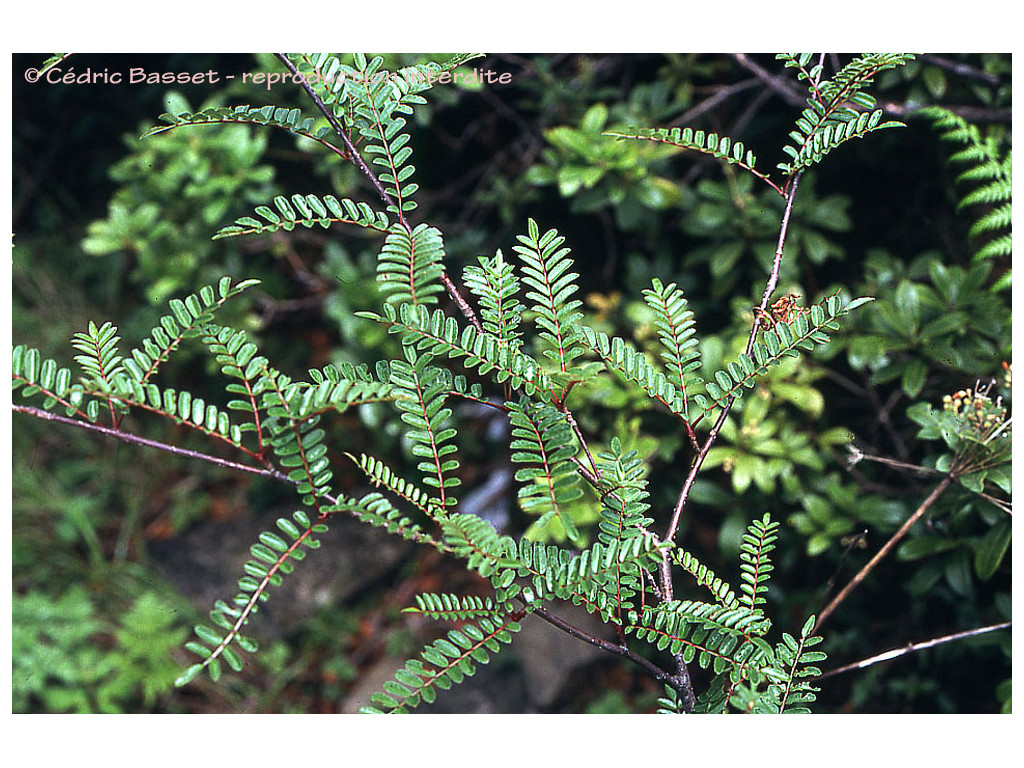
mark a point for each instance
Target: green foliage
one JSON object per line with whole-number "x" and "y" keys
{"x": 307, "y": 211}
{"x": 594, "y": 171}
{"x": 718, "y": 147}
{"x": 989, "y": 177}
{"x": 831, "y": 117}
{"x": 68, "y": 658}
{"x": 448, "y": 661}
{"x": 422, "y": 395}
{"x": 272, "y": 557}
{"x": 542, "y": 438}
{"x": 524, "y": 349}
{"x": 410, "y": 265}
{"x": 495, "y": 286}
{"x": 937, "y": 315}
{"x": 783, "y": 340}
{"x": 175, "y": 186}
{"x": 790, "y": 688}
{"x": 552, "y": 289}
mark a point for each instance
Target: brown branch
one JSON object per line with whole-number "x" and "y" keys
{"x": 892, "y": 542}
{"x": 773, "y": 281}
{"x": 127, "y": 437}
{"x": 912, "y": 647}
{"x": 780, "y": 84}
{"x": 682, "y": 685}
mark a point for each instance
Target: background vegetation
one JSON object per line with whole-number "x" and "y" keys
{"x": 109, "y": 570}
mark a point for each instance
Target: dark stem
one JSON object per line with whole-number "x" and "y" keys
{"x": 683, "y": 674}
{"x": 127, "y": 437}
{"x": 886, "y": 549}
{"x": 780, "y": 83}
{"x": 773, "y": 281}
{"x": 680, "y": 683}
{"x": 912, "y": 647}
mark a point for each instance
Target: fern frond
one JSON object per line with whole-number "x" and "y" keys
{"x": 546, "y": 266}
{"x": 992, "y": 175}
{"x": 803, "y": 332}
{"x": 495, "y": 285}
{"x": 272, "y": 557}
{"x": 290, "y": 120}
{"x": 188, "y": 319}
{"x": 306, "y": 211}
{"x": 543, "y": 439}
{"x": 445, "y": 662}
{"x": 716, "y": 636}
{"x": 409, "y": 266}
{"x": 790, "y": 689}
{"x": 676, "y": 330}
{"x": 449, "y": 607}
{"x": 755, "y": 565}
{"x": 999, "y": 219}
{"x": 634, "y": 366}
{"x": 421, "y": 403}
{"x": 832, "y": 117}
{"x": 719, "y": 147}
{"x": 439, "y": 334}
{"x": 996, "y": 248}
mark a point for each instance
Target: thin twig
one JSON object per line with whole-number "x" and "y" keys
{"x": 720, "y": 95}
{"x": 773, "y": 281}
{"x": 961, "y": 69}
{"x": 683, "y": 686}
{"x": 127, "y": 437}
{"x": 892, "y": 542}
{"x": 857, "y": 455}
{"x": 911, "y": 647}
{"x": 778, "y": 83}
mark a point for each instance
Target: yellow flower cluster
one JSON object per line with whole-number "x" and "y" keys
{"x": 976, "y": 409}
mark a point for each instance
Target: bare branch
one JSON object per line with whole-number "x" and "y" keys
{"x": 892, "y": 542}
{"x": 912, "y": 647}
